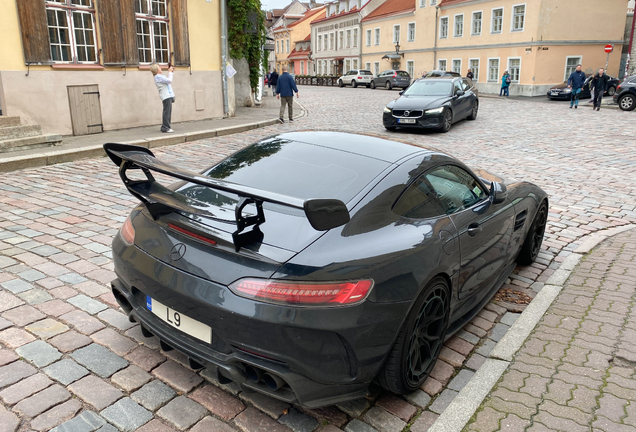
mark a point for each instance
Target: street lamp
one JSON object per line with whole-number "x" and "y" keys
{"x": 397, "y": 48}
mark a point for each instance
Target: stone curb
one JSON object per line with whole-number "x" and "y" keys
{"x": 94, "y": 151}
{"x": 463, "y": 407}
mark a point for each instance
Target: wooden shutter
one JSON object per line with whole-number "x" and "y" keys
{"x": 181, "y": 40}
{"x": 129, "y": 26}
{"x": 111, "y": 32}
{"x": 35, "y": 31}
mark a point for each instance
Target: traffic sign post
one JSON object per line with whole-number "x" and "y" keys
{"x": 608, "y": 49}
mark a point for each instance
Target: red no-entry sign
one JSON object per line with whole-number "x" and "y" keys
{"x": 609, "y": 48}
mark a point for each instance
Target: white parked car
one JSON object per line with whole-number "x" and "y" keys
{"x": 356, "y": 77}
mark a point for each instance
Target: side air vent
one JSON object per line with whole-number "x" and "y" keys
{"x": 520, "y": 220}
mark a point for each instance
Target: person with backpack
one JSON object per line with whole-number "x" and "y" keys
{"x": 273, "y": 80}
{"x": 576, "y": 82}
{"x": 599, "y": 85}
{"x": 505, "y": 84}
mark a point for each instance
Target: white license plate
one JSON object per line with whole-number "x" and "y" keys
{"x": 406, "y": 120}
{"x": 555, "y": 92}
{"x": 180, "y": 321}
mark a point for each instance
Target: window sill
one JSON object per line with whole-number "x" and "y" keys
{"x": 75, "y": 66}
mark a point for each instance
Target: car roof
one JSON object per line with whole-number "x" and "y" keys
{"x": 364, "y": 145}
{"x": 442, "y": 78}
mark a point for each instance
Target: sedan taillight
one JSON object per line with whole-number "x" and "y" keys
{"x": 303, "y": 293}
{"x": 127, "y": 232}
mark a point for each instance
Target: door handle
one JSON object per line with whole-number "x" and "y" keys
{"x": 474, "y": 229}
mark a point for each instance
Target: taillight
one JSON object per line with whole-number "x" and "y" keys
{"x": 127, "y": 232}
{"x": 359, "y": 77}
{"x": 303, "y": 293}
{"x": 618, "y": 88}
{"x": 394, "y": 74}
{"x": 191, "y": 234}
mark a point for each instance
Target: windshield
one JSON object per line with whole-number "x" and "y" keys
{"x": 429, "y": 88}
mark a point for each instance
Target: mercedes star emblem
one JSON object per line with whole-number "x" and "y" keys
{"x": 407, "y": 113}
{"x": 177, "y": 252}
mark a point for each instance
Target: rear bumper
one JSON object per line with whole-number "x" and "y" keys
{"x": 324, "y": 357}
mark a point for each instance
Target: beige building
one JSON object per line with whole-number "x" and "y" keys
{"x": 81, "y": 67}
{"x": 538, "y": 41}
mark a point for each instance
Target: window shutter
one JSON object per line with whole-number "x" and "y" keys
{"x": 111, "y": 31}
{"x": 181, "y": 41}
{"x": 35, "y": 31}
{"x": 129, "y": 27}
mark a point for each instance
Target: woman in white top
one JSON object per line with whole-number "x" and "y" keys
{"x": 164, "y": 85}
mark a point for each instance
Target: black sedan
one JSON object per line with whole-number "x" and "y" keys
{"x": 310, "y": 264}
{"x": 625, "y": 95}
{"x": 433, "y": 103}
{"x": 562, "y": 92}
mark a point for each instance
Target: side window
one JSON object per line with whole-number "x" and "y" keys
{"x": 466, "y": 84}
{"x": 455, "y": 188}
{"x": 419, "y": 201}
{"x": 458, "y": 86}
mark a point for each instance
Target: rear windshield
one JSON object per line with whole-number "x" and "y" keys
{"x": 290, "y": 168}
{"x": 429, "y": 88}
{"x": 365, "y": 72}
{"x": 403, "y": 74}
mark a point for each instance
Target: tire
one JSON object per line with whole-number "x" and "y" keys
{"x": 627, "y": 102}
{"x": 419, "y": 341}
{"x": 340, "y": 83}
{"x": 474, "y": 111}
{"x": 373, "y": 84}
{"x": 387, "y": 85}
{"x": 611, "y": 91}
{"x": 354, "y": 84}
{"x": 447, "y": 121}
{"x": 532, "y": 244}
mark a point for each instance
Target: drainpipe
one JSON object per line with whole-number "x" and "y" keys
{"x": 435, "y": 46}
{"x": 226, "y": 104}
{"x": 631, "y": 44}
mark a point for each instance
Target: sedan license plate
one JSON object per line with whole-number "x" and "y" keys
{"x": 412, "y": 121}
{"x": 180, "y": 321}
{"x": 555, "y": 92}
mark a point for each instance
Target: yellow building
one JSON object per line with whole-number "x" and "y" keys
{"x": 538, "y": 41}
{"x": 288, "y": 34}
{"x": 82, "y": 65}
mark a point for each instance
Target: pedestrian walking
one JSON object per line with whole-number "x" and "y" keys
{"x": 164, "y": 85}
{"x": 575, "y": 82}
{"x": 273, "y": 79}
{"x": 469, "y": 74}
{"x": 599, "y": 85}
{"x": 505, "y": 85}
{"x": 285, "y": 88}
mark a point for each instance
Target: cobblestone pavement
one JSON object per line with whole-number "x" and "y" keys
{"x": 576, "y": 370}
{"x": 69, "y": 357}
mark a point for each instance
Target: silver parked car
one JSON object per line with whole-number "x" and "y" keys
{"x": 356, "y": 77}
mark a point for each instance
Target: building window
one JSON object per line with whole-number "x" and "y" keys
{"x": 411, "y": 32}
{"x": 152, "y": 31}
{"x": 396, "y": 34}
{"x": 410, "y": 68}
{"x": 514, "y": 68}
{"x": 376, "y": 68}
{"x": 72, "y": 31}
{"x": 347, "y": 65}
{"x": 367, "y": 66}
{"x": 433, "y": 2}
{"x": 368, "y": 37}
{"x": 287, "y": 45}
{"x": 422, "y": 3}
{"x": 355, "y": 64}
{"x": 457, "y": 66}
{"x": 332, "y": 39}
{"x": 355, "y": 38}
{"x": 476, "y": 27}
{"x": 459, "y": 26}
{"x": 518, "y": 17}
{"x": 302, "y": 67}
{"x": 441, "y": 64}
{"x": 377, "y": 36}
{"x": 319, "y": 43}
{"x": 326, "y": 41}
{"x": 341, "y": 39}
{"x": 338, "y": 7}
{"x": 570, "y": 65}
{"x": 497, "y": 20}
{"x": 474, "y": 68}
{"x": 443, "y": 27}
{"x": 493, "y": 70}
{"x": 348, "y": 39}
{"x": 277, "y": 47}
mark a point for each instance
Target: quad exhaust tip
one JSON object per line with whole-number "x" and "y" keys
{"x": 254, "y": 374}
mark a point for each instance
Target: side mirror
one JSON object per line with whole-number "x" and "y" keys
{"x": 460, "y": 93}
{"x": 401, "y": 92}
{"x": 499, "y": 192}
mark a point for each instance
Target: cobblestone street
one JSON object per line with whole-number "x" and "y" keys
{"x": 69, "y": 358}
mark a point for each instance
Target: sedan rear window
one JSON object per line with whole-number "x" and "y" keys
{"x": 403, "y": 74}
{"x": 295, "y": 169}
{"x": 429, "y": 88}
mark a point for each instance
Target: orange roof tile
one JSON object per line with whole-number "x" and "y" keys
{"x": 391, "y": 7}
{"x": 307, "y": 15}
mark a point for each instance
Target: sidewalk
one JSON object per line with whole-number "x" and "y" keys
{"x": 576, "y": 370}
{"x": 89, "y": 146}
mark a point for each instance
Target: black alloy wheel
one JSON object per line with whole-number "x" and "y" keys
{"x": 373, "y": 84}
{"x": 340, "y": 83}
{"x": 447, "y": 120}
{"x": 474, "y": 111}
{"x": 611, "y": 91}
{"x": 354, "y": 84}
{"x": 627, "y": 102}
{"x": 420, "y": 340}
{"x": 532, "y": 245}
{"x": 388, "y": 85}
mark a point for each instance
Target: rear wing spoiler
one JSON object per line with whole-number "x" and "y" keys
{"x": 323, "y": 214}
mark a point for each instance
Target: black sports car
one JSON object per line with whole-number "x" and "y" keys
{"x": 562, "y": 92}
{"x": 309, "y": 264}
{"x": 433, "y": 103}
